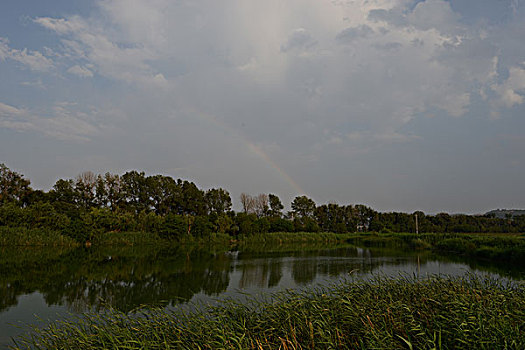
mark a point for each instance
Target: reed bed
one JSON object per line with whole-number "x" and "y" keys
{"x": 128, "y": 239}
{"x": 296, "y": 237}
{"x": 21, "y": 236}
{"x": 385, "y": 313}
{"x": 490, "y": 247}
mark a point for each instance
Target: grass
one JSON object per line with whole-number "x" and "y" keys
{"x": 499, "y": 248}
{"x": 296, "y": 237}
{"x": 400, "y": 313}
{"x": 20, "y": 236}
{"x": 127, "y": 239}
{"x": 504, "y": 249}
{"x": 495, "y": 247}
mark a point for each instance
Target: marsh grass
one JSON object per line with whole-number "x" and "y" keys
{"x": 385, "y": 313}
{"x": 127, "y": 239}
{"x": 296, "y": 237}
{"x": 20, "y": 236}
{"x": 508, "y": 248}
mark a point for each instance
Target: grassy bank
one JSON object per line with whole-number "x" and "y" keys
{"x": 20, "y": 236}
{"x": 285, "y": 237}
{"x": 495, "y": 247}
{"x": 14, "y": 236}
{"x": 461, "y": 313}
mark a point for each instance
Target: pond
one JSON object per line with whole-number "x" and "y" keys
{"x": 42, "y": 284}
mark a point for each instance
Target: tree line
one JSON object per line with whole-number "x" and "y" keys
{"x": 92, "y": 204}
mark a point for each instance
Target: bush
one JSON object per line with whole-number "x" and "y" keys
{"x": 201, "y": 227}
{"x": 173, "y": 227}
{"x": 281, "y": 225}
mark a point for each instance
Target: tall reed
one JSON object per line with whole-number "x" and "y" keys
{"x": 400, "y": 313}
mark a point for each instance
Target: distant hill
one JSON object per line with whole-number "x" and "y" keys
{"x": 502, "y": 213}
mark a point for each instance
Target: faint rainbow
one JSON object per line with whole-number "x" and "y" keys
{"x": 253, "y": 148}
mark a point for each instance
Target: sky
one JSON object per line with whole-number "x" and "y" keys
{"x": 400, "y": 105}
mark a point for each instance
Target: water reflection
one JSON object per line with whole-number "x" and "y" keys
{"x": 126, "y": 278}
{"x": 121, "y": 278}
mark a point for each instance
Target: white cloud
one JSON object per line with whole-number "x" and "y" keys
{"x": 62, "y": 122}
{"x": 9, "y": 111}
{"x": 271, "y": 72}
{"x": 34, "y": 60}
{"x": 511, "y": 91}
{"x": 80, "y": 71}
{"x": 398, "y": 60}
{"x": 89, "y": 40}
{"x": 37, "y": 84}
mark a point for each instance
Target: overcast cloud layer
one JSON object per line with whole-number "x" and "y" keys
{"x": 397, "y": 104}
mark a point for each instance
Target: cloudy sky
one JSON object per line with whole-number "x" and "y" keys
{"x": 397, "y": 104}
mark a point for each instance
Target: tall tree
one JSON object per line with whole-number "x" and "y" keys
{"x": 192, "y": 199}
{"x": 85, "y": 189}
{"x": 13, "y": 186}
{"x": 113, "y": 190}
{"x": 165, "y": 194}
{"x": 218, "y": 201}
{"x": 101, "y": 195}
{"x": 248, "y": 203}
{"x": 303, "y": 206}
{"x": 261, "y": 205}
{"x": 135, "y": 193}
{"x": 276, "y": 206}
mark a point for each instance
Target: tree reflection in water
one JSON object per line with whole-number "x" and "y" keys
{"x": 127, "y": 277}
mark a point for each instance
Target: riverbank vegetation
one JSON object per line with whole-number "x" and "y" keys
{"x": 400, "y": 313}
{"x": 495, "y": 247}
{"x": 103, "y": 209}
{"x": 21, "y": 236}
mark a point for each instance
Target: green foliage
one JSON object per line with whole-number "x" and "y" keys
{"x": 91, "y": 205}
{"x": 303, "y": 206}
{"x": 140, "y": 239}
{"x": 261, "y": 225}
{"x": 12, "y": 215}
{"x": 38, "y": 215}
{"x": 222, "y": 223}
{"x": 276, "y": 206}
{"x": 245, "y": 223}
{"x": 459, "y": 313}
{"x": 218, "y": 201}
{"x": 13, "y": 187}
{"x": 174, "y": 227}
{"x": 280, "y": 225}
{"x": 489, "y": 248}
{"x": 305, "y": 224}
{"x": 19, "y": 236}
{"x": 79, "y": 230}
{"x": 295, "y": 237}
{"x": 149, "y": 222}
{"x": 102, "y": 219}
{"x": 201, "y": 227}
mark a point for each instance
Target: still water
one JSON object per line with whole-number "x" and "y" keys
{"x": 38, "y": 285}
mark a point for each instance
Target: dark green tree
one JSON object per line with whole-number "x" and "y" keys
{"x": 218, "y": 201}
{"x": 135, "y": 191}
{"x": 276, "y": 206}
{"x": 114, "y": 195}
{"x": 165, "y": 194}
{"x": 303, "y": 207}
{"x": 13, "y": 186}
{"x": 192, "y": 202}
{"x": 85, "y": 189}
